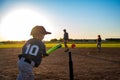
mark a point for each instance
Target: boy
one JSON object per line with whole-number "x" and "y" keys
{"x": 99, "y": 40}
{"x": 66, "y": 38}
{"x": 32, "y": 53}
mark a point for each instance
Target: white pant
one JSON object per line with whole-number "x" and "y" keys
{"x": 25, "y": 70}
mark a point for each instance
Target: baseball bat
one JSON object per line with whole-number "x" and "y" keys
{"x": 54, "y": 48}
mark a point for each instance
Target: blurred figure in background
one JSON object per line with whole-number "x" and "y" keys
{"x": 65, "y": 39}
{"x": 99, "y": 42}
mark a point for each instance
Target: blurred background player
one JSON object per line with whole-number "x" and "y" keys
{"x": 99, "y": 41}
{"x": 32, "y": 53}
{"x": 65, "y": 39}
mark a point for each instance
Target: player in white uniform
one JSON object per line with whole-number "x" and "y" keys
{"x": 32, "y": 53}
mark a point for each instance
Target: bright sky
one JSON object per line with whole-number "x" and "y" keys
{"x": 83, "y": 19}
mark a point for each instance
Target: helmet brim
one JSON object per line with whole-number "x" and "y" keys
{"x": 48, "y": 33}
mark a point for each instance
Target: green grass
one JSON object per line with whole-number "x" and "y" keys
{"x": 82, "y": 45}
{"x": 11, "y": 45}
{"x": 94, "y": 45}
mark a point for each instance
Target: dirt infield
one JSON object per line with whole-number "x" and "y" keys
{"x": 88, "y": 64}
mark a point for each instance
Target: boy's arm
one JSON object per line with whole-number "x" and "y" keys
{"x": 45, "y": 53}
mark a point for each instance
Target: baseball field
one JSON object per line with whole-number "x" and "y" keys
{"x": 88, "y": 64}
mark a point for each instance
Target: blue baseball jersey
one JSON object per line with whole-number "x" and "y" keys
{"x": 33, "y": 50}
{"x": 66, "y": 37}
{"x": 99, "y": 40}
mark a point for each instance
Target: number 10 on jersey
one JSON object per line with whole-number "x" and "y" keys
{"x": 32, "y": 49}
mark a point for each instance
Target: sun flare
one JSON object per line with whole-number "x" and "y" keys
{"x": 17, "y": 23}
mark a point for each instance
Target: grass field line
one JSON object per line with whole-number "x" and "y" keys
{"x": 48, "y": 45}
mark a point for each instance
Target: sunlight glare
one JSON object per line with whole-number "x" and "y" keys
{"x": 17, "y": 23}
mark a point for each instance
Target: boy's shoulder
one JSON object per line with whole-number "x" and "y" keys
{"x": 34, "y": 41}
